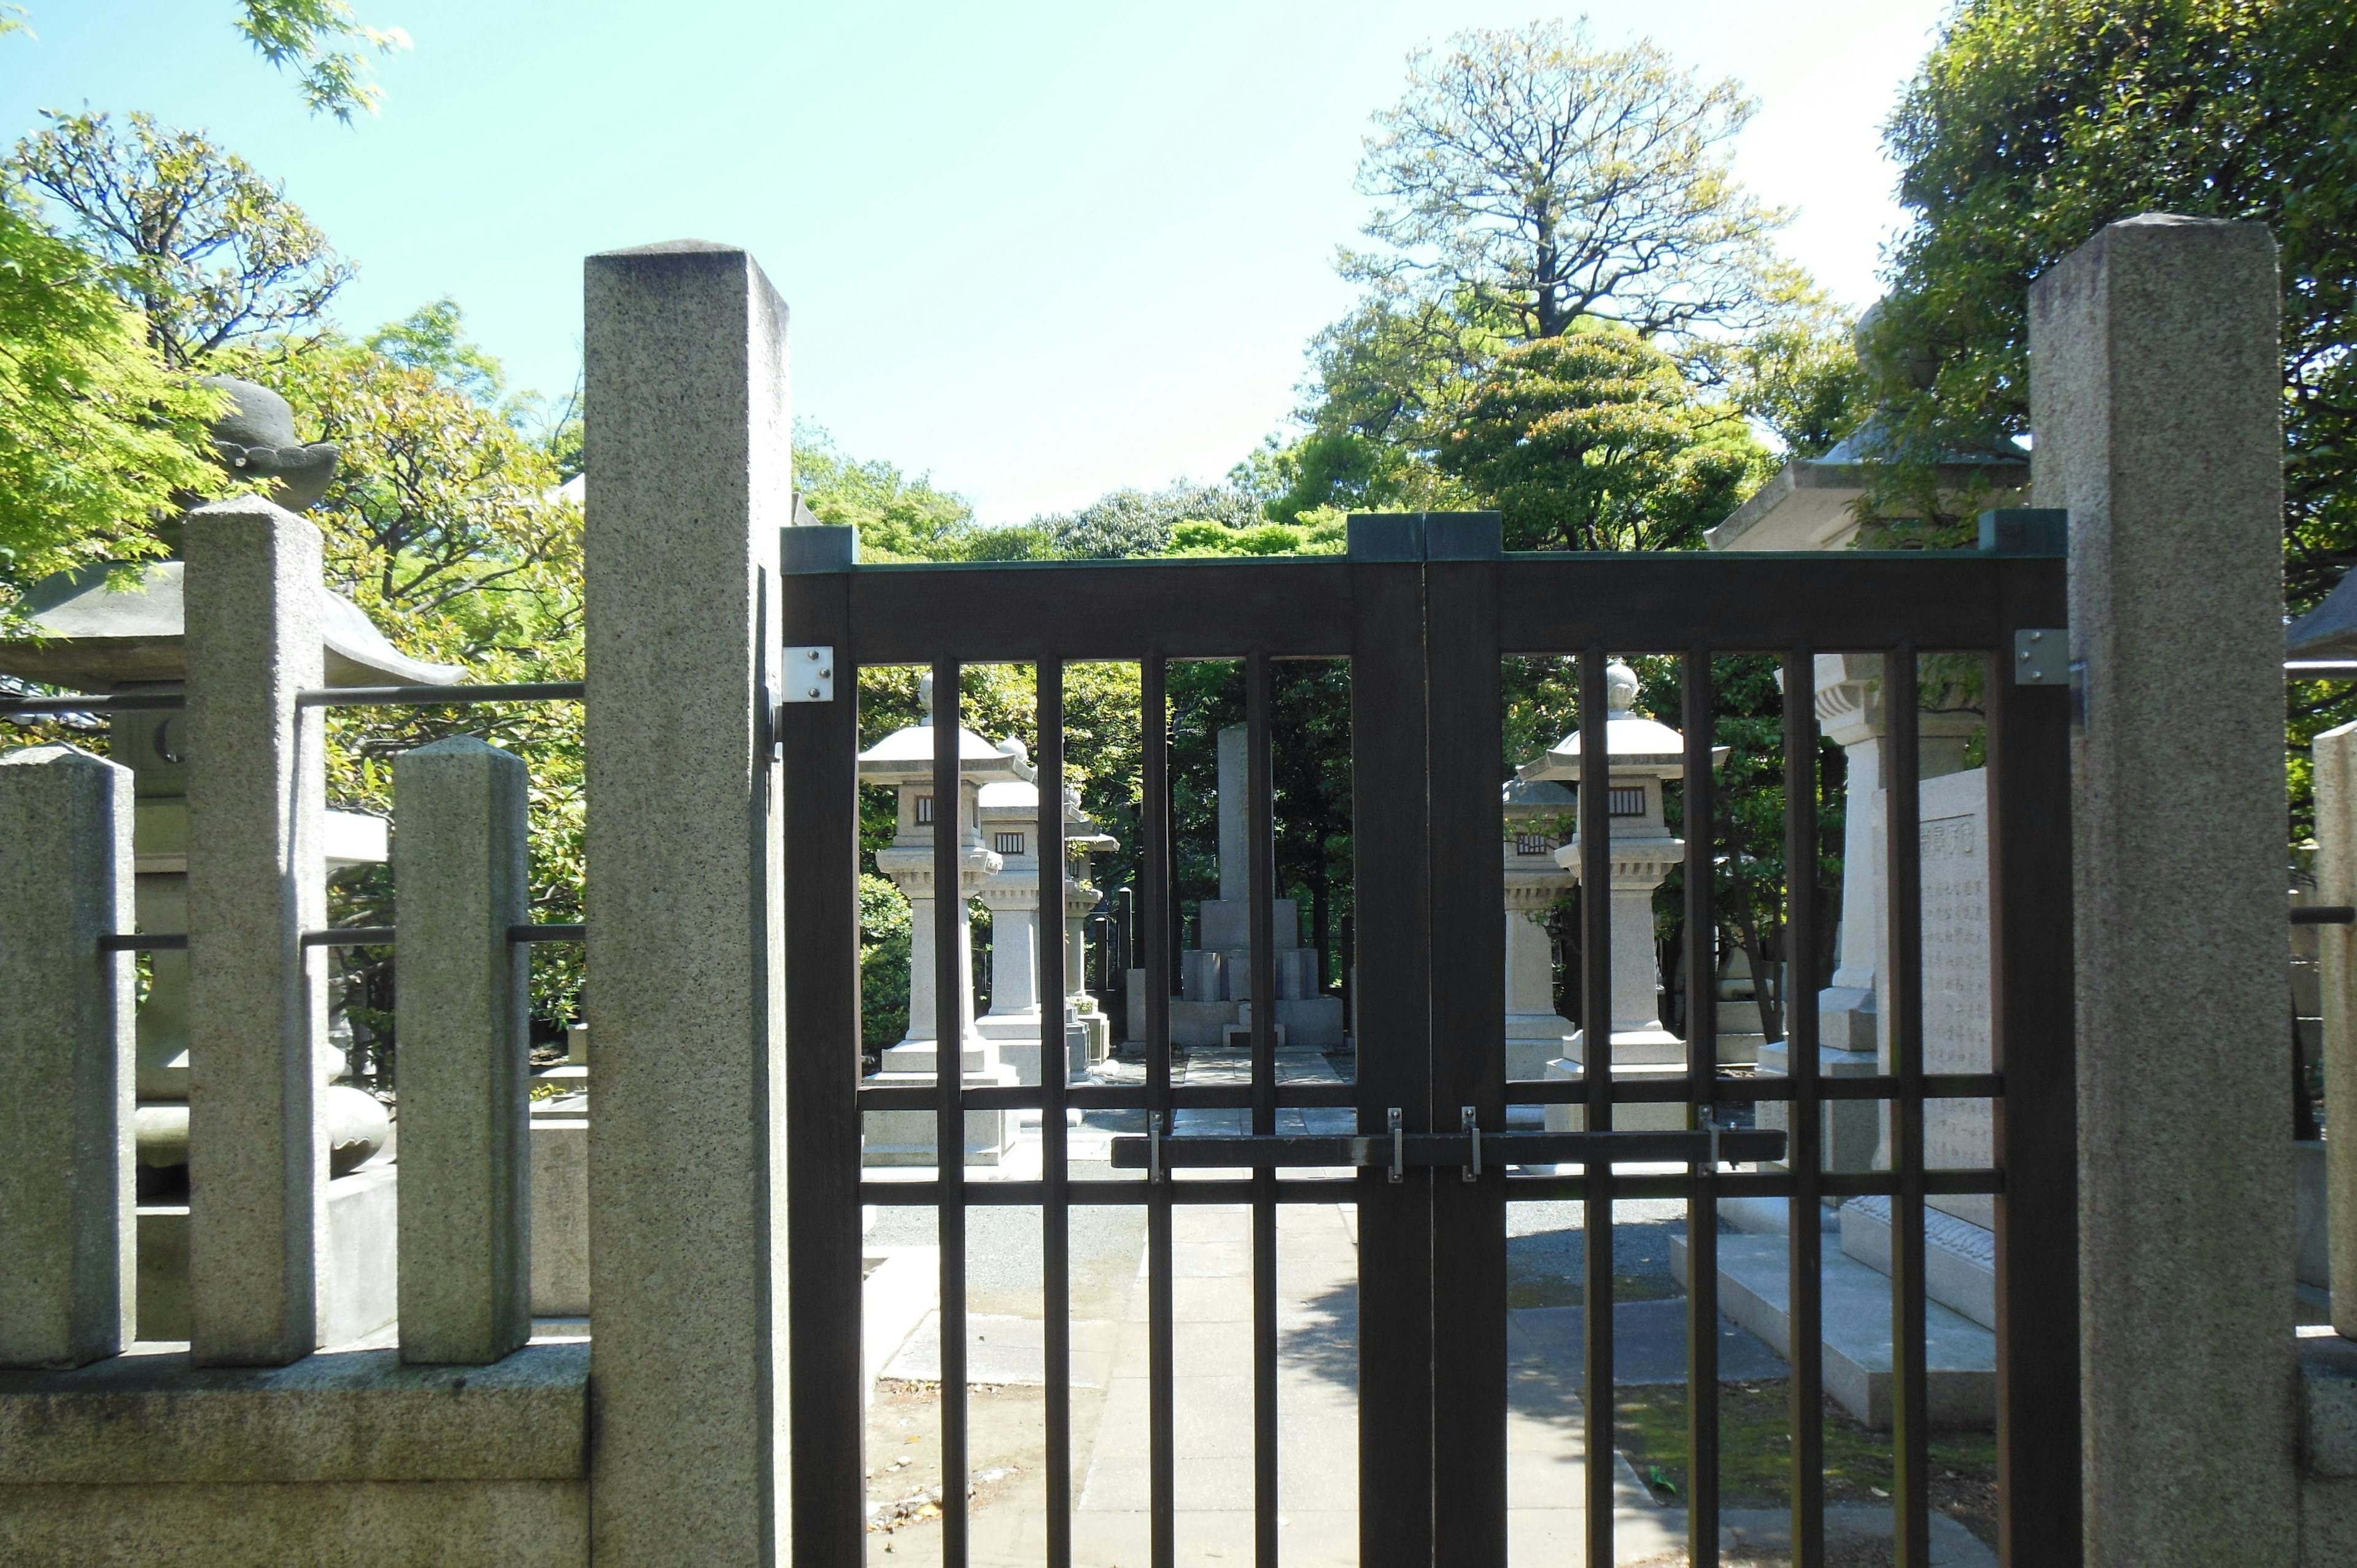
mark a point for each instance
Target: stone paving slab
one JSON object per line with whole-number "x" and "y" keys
{"x": 1649, "y": 1342}
{"x": 1003, "y": 1350}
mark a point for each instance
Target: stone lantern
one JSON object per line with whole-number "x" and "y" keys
{"x": 1537, "y": 813}
{"x": 89, "y": 631}
{"x": 1009, "y": 813}
{"x": 1642, "y": 756}
{"x": 904, "y": 760}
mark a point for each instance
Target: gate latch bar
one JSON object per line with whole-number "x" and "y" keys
{"x": 1396, "y": 1149}
{"x": 1465, "y": 1119}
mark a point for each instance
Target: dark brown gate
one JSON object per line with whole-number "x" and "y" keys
{"x": 1426, "y": 607}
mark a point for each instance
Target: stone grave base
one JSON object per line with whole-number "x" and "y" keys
{"x": 357, "y": 1284}
{"x": 1755, "y": 1290}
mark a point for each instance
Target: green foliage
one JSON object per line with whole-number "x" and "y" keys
{"x": 322, "y": 39}
{"x": 432, "y": 338}
{"x": 212, "y": 254}
{"x": 1317, "y": 532}
{"x": 1801, "y": 380}
{"x": 444, "y": 523}
{"x": 1594, "y": 440}
{"x": 1132, "y": 522}
{"x": 1549, "y": 178}
{"x": 95, "y": 432}
{"x": 2035, "y": 123}
{"x": 883, "y": 963}
{"x": 898, "y": 517}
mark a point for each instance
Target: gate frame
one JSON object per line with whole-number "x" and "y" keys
{"x": 1421, "y": 1365}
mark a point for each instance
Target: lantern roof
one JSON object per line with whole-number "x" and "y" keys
{"x": 1633, "y": 744}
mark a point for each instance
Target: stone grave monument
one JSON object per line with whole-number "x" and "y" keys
{"x": 1010, "y": 813}
{"x": 1537, "y": 1034}
{"x": 1215, "y": 1000}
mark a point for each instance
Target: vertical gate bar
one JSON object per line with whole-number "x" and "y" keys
{"x": 1697, "y": 822}
{"x": 1469, "y": 1059}
{"x": 2033, "y": 1049}
{"x": 1261, "y": 879}
{"x": 1154, "y": 743}
{"x": 1595, "y": 1068}
{"x": 1799, "y": 994}
{"x": 1391, "y": 883}
{"x": 819, "y": 810}
{"x": 949, "y": 1080}
{"x": 1903, "y": 877}
{"x": 1055, "y": 1070}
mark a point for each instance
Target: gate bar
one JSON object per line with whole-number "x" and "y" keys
{"x": 1592, "y": 1151}
{"x": 1697, "y": 819}
{"x": 1903, "y": 874}
{"x": 948, "y": 1125}
{"x": 1261, "y": 887}
{"x": 1805, "y": 1251}
{"x": 1596, "y": 1069}
{"x": 1055, "y": 1072}
{"x": 1154, "y": 812}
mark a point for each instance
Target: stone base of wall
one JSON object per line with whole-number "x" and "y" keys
{"x": 345, "y": 1458}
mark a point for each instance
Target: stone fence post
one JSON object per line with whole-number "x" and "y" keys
{"x": 2336, "y": 883}
{"x": 67, "y": 1227}
{"x": 2156, "y": 394}
{"x": 691, "y": 481}
{"x": 257, "y": 881}
{"x": 462, "y": 879}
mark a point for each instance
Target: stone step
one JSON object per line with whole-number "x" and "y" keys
{"x": 1754, "y": 1289}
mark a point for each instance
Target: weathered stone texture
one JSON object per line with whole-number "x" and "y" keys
{"x": 2156, "y": 393}
{"x": 68, "y": 1240}
{"x": 687, "y": 357}
{"x": 461, "y": 880}
{"x": 257, "y": 1006}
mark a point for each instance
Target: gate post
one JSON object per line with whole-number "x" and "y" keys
{"x": 2155, "y": 390}
{"x": 689, "y": 454}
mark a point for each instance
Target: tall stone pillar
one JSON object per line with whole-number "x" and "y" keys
{"x": 68, "y": 1283}
{"x": 257, "y": 881}
{"x": 2156, "y": 395}
{"x": 686, "y": 359}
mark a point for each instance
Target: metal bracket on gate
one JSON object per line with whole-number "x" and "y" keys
{"x": 1473, "y": 1131}
{"x": 2041, "y": 657}
{"x": 1393, "y": 1150}
{"x": 810, "y": 674}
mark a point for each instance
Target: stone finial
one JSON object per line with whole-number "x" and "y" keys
{"x": 255, "y": 441}
{"x": 1619, "y": 687}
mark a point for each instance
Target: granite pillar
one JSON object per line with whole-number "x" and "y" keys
{"x": 67, "y": 1235}
{"x": 461, "y": 877}
{"x": 2336, "y": 883}
{"x": 2155, "y": 391}
{"x": 687, "y": 364}
{"x": 257, "y": 880}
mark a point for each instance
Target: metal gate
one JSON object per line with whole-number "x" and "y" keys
{"x": 1425, "y": 608}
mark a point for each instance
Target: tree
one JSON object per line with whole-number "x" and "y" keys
{"x": 95, "y": 434}
{"x": 898, "y": 517}
{"x": 211, "y": 252}
{"x": 322, "y": 39}
{"x": 1549, "y": 178}
{"x": 1594, "y": 441}
{"x": 1130, "y": 523}
{"x": 2034, "y": 122}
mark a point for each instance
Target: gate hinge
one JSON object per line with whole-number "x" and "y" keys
{"x": 810, "y": 675}
{"x": 2041, "y": 657}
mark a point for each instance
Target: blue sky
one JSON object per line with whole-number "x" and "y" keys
{"x": 1039, "y": 251}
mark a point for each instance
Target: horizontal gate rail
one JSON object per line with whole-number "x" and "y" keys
{"x": 1519, "y": 1092}
{"x": 1299, "y": 607}
{"x": 1403, "y": 1149}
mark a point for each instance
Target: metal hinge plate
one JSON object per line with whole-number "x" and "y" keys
{"x": 2041, "y": 657}
{"x": 809, "y": 675}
